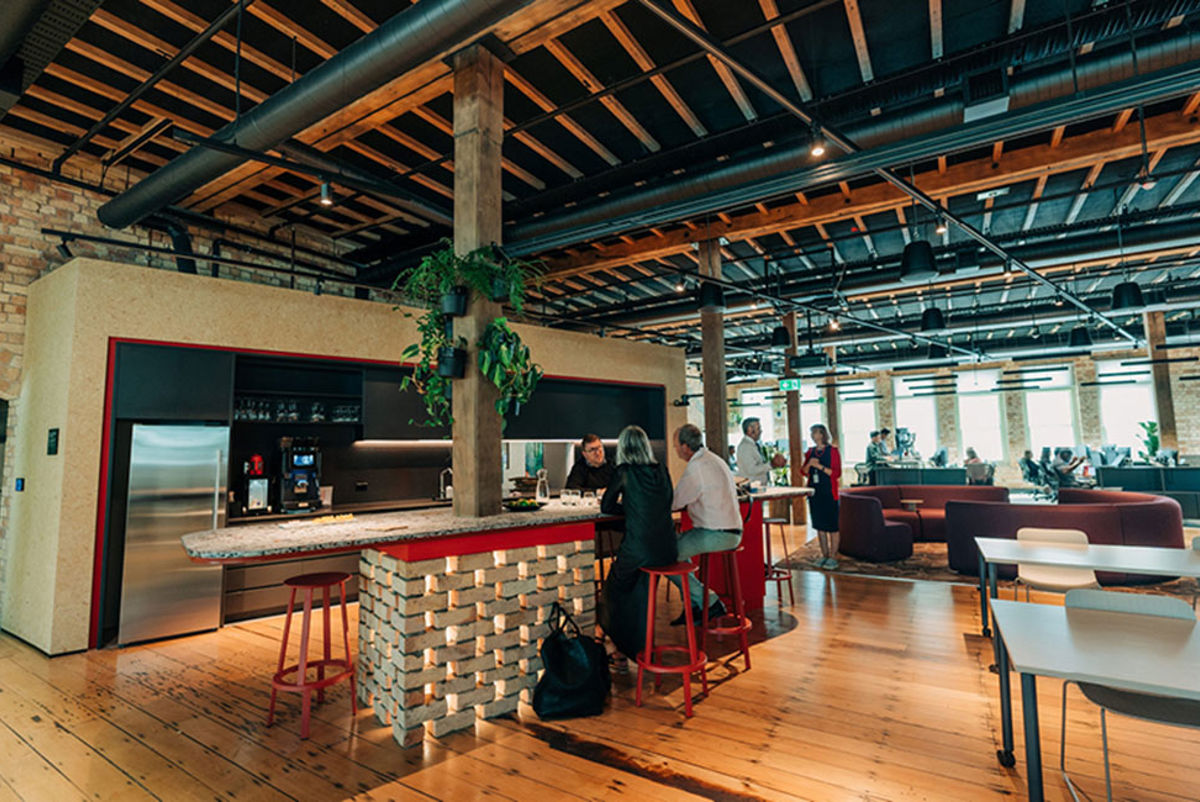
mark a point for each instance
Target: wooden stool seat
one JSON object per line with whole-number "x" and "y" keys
{"x": 651, "y": 658}
{"x": 734, "y": 622}
{"x": 294, "y": 678}
{"x": 772, "y": 572}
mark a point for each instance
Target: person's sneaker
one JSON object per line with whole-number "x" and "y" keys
{"x": 829, "y": 563}
{"x": 716, "y": 610}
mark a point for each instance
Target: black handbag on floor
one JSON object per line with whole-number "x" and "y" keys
{"x": 576, "y": 681}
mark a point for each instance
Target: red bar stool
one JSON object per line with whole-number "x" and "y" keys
{"x": 300, "y": 683}
{"x": 651, "y": 659}
{"x": 735, "y": 623}
{"x": 773, "y": 572}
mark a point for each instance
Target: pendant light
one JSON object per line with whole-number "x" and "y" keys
{"x": 1127, "y": 294}
{"x": 781, "y": 337}
{"x": 1080, "y": 337}
{"x": 932, "y": 319}
{"x": 917, "y": 264}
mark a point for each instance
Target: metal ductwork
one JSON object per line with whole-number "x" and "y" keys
{"x": 181, "y": 242}
{"x": 413, "y": 37}
{"x": 31, "y": 34}
{"x": 1043, "y": 99}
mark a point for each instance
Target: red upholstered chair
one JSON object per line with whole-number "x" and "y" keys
{"x": 866, "y": 534}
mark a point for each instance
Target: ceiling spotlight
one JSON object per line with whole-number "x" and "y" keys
{"x": 817, "y": 148}
{"x": 1145, "y": 179}
{"x": 754, "y": 303}
{"x": 1058, "y": 300}
{"x": 63, "y": 250}
{"x": 942, "y": 228}
{"x": 679, "y": 286}
{"x": 833, "y": 324}
{"x": 326, "y": 195}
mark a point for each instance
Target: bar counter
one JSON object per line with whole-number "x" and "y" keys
{"x": 451, "y": 610}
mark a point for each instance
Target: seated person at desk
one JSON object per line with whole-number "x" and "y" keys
{"x": 972, "y": 457}
{"x": 708, "y": 493}
{"x": 1064, "y": 465}
{"x": 877, "y": 451}
{"x": 641, "y": 491}
{"x": 752, "y": 462}
{"x": 591, "y": 470}
{"x": 1029, "y": 468}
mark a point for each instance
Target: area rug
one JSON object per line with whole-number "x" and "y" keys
{"x": 929, "y": 562}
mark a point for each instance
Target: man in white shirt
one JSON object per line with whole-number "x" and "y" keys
{"x": 708, "y": 492}
{"x": 752, "y": 460}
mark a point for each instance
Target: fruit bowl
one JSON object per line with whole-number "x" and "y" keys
{"x": 523, "y": 505}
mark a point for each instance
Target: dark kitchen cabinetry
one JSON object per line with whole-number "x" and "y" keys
{"x": 171, "y": 383}
{"x": 387, "y": 411}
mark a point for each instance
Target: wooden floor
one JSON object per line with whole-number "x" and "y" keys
{"x": 867, "y": 689}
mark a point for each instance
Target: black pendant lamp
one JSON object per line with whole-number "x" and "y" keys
{"x": 1080, "y": 338}
{"x": 917, "y": 263}
{"x": 781, "y": 337}
{"x": 932, "y": 319}
{"x": 1127, "y": 295}
{"x": 937, "y": 351}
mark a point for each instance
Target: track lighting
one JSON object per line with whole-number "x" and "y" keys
{"x": 833, "y": 324}
{"x": 817, "y": 148}
{"x": 64, "y": 251}
{"x": 942, "y": 228}
{"x": 679, "y": 286}
{"x": 326, "y": 194}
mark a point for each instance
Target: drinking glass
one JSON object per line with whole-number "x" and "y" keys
{"x": 589, "y": 498}
{"x": 570, "y": 498}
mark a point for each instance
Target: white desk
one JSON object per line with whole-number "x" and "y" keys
{"x": 1153, "y": 560}
{"x": 1135, "y": 652}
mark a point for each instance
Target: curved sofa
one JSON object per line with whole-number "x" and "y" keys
{"x": 875, "y": 526}
{"x": 1108, "y": 517}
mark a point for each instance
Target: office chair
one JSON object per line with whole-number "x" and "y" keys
{"x": 1049, "y": 577}
{"x": 1146, "y": 706}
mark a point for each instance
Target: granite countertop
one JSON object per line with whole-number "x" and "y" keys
{"x": 304, "y": 536}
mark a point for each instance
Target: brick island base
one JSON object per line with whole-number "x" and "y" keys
{"x": 449, "y": 628}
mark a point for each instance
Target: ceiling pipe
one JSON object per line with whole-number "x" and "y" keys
{"x": 1042, "y": 102}
{"x": 849, "y": 146}
{"x": 17, "y": 18}
{"x": 418, "y": 34}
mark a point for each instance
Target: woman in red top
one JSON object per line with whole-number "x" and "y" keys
{"x": 823, "y": 466}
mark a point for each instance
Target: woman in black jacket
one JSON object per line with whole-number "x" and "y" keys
{"x": 641, "y": 491}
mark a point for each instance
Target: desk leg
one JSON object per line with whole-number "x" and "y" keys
{"x": 1005, "y": 755}
{"x": 983, "y": 597}
{"x": 991, "y": 572}
{"x": 1033, "y": 741}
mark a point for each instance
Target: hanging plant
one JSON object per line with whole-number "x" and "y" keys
{"x": 505, "y": 361}
{"x": 443, "y": 283}
{"x": 1149, "y": 440}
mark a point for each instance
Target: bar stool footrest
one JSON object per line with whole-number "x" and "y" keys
{"x": 280, "y": 682}
{"x": 729, "y": 624}
{"x": 656, "y": 666}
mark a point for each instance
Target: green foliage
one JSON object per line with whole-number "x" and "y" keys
{"x": 433, "y": 389}
{"x": 504, "y": 360}
{"x": 1149, "y": 440}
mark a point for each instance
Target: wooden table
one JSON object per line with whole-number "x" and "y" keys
{"x": 1154, "y": 560}
{"x": 1133, "y": 652}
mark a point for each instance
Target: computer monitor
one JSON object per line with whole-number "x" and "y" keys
{"x": 1167, "y": 457}
{"x": 940, "y": 457}
{"x": 1124, "y": 456}
{"x": 1046, "y": 457}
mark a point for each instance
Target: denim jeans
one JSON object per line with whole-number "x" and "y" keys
{"x": 702, "y": 541}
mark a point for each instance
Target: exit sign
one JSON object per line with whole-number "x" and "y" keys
{"x": 789, "y": 384}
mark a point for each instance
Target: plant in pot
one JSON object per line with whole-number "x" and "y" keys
{"x": 1149, "y": 440}
{"x": 505, "y": 361}
{"x": 438, "y": 280}
{"x": 499, "y": 278}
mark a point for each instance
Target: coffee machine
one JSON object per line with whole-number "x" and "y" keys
{"x": 300, "y": 474}
{"x": 255, "y": 486}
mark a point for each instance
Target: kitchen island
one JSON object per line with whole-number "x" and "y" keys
{"x": 451, "y": 610}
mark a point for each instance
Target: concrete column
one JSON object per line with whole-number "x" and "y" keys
{"x": 1164, "y": 400}
{"x": 832, "y": 412}
{"x": 712, "y": 330}
{"x": 478, "y": 135}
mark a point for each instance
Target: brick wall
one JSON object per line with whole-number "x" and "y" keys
{"x": 444, "y": 641}
{"x": 30, "y": 202}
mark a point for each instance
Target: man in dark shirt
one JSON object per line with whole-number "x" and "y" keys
{"x": 591, "y": 470}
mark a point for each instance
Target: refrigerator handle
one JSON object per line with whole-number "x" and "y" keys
{"x": 216, "y": 503}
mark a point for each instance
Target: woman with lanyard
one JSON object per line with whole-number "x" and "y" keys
{"x": 823, "y": 466}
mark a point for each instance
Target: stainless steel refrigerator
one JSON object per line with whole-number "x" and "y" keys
{"x": 177, "y": 480}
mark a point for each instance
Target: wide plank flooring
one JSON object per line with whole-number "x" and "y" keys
{"x": 867, "y": 689}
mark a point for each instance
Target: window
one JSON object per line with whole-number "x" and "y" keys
{"x": 979, "y": 415}
{"x": 856, "y": 405}
{"x": 1051, "y": 415}
{"x": 916, "y": 410}
{"x": 1126, "y": 398}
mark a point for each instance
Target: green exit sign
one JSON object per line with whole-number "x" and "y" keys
{"x": 789, "y": 384}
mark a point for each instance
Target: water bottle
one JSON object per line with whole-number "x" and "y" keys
{"x": 543, "y": 487}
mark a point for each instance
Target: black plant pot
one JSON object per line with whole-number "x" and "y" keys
{"x": 454, "y": 303}
{"x": 452, "y": 363}
{"x": 500, "y": 288}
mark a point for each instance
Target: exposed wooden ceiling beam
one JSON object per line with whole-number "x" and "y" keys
{"x": 1081, "y": 198}
{"x": 725, "y": 74}
{"x": 1016, "y": 16}
{"x": 592, "y": 85}
{"x": 859, "y": 35}
{"x": 1031, "y": 211}
{"x": 566, "y": 121}
{"x": 1122, "y": 120}
{"x": 640, "y": 57}
{"x": 937, "y": 47}
{"x": 223, "y": 38}
{"x": 351, "y": 14}
{"x": 1026, "y": 164}
{"x": 287, "y": 25}
{"x": 787, "y": 50}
